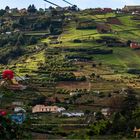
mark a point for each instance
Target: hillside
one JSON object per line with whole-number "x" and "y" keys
{"x": 80, "y": 61}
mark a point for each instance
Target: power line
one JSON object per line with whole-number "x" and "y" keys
{"x": 52, "y": 3}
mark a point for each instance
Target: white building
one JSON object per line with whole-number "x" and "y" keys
{"x": 106, "y": 111}
{"x": 73, "y": 114}
{"x": 19, "y": 109}
{"x": 73, "y": 93}
{"x": 43, "y": 108}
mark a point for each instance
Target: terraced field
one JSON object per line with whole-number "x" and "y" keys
{"x": 77, "y": 62}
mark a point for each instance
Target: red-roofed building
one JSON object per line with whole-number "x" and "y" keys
{"x": 107, "y": 10}
{"x": 135, "y": 45}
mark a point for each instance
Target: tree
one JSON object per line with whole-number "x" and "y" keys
{"x": 39, "y": 100}
{"x": 31, "y": 9}
{"x": 101, "y": 127}
{"x": 129, "y": 42}
{"x": 16, "y": 25}
{"x": 99, "y": 116}
{"x": 41, "y": 9}
{"x": 10, "y": 130}
{"x": 22, "y": 21}
{"x": 50, "y": 8}
{"x": 20, "y": 40}
{"x": 135, "y": 119}
{"x": 119, "y": 124}
{"x": 129, "y": 105}
{"x": 7, "y": 8}
{"x": 2, "y": 12}
{"x": 51, "y": 29}
{"x": 54, "y": 12}
{"x": 32, "y": 40}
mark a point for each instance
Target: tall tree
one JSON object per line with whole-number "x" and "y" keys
{"x": 119, "y": 123}
{"x": 32, "y": 40}
{"x": 129, "y": 105}
{"x": 20, "y": 40}
{"x": 22, "y": 21}
{"x": 7, "y": 8}
{"x": 31, "y": 9}
{"x": 2, "y": 12}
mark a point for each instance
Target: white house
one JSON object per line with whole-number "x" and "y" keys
{"x": 73, "y": 114}
{"x": 8, "y": 33}
{"x": 19, "y": 109}
{"x": 60, "y": 109}
{"x": 106, "y": 111}
{"x": 73, "y": 93}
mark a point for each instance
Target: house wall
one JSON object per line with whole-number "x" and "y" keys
{"x": 43, "y": 108}
{"x": 131, "y": 8}
{"x": 135, "y": 45}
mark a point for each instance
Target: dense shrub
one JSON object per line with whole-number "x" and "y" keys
{"x": 32, "y": 40}
{"x": 77, "y": 41}
{"x": 111, "y": 41}
{"x": 89, "y": 24}
{"x": 89, "y": 50}
{"x": 10, "y": 54}
{"x": 134, "y": 71}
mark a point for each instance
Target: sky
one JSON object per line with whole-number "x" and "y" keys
{"x": 82, "y": 4}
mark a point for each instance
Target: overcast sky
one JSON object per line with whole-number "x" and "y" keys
{"x": 81, "y": 3}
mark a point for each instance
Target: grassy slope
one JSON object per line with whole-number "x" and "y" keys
{"x": 124, "y": 57}
{"x": 121, "y": 58}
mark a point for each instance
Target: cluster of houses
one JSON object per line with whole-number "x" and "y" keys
{"x": 102, "y": 10}
{"x": 59, "y": 10}
{"x": 134, "y": 9}
{"x": 16, "y": 10}
{"x": 56, "y": 109}
{"x": 130, "y": 8}
{"x": 17, "y": 115}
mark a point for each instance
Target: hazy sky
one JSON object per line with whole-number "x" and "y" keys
{"x": 81, "y": 3}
